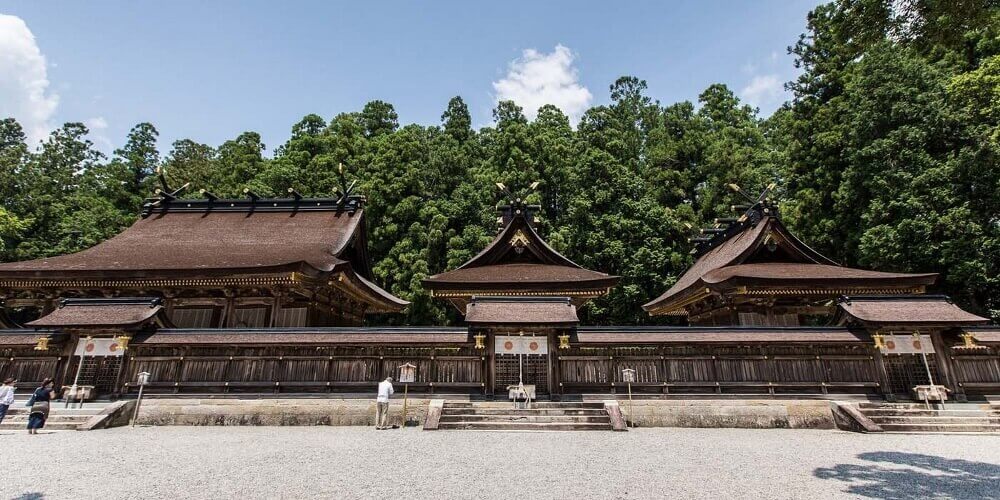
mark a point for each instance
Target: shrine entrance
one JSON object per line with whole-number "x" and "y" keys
{"x": 910, "y": 361}
{"x": 906, "y": 371}
{"x": 520, "y": 358}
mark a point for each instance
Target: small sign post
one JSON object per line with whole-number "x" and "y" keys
{"x": 142, "y": 379}
{"x": 628, "y": 376}
{"x": 407, "y": 375}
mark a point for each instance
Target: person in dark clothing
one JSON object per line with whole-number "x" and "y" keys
{"x": 39, "y": 404}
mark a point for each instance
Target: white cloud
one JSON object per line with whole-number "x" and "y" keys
{"x": 96, "y": 123}
{"x": 24, "y": 82}
{"x": 764, "y": 91}
{"x": 536, "y": 79}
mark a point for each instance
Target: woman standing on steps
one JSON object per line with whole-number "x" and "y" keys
{"x": 39, "y": 404}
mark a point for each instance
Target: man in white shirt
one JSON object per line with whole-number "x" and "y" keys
{"x": 6, "y": 396}
{"x": 382, "y": 404}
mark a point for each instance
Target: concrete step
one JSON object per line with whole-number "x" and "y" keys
{"x": 937, "y": 420}
{"x": 529, "y": 411}
{"x": 525, "y": 418}
{"x": 939, "y": 428}
{"x": 526, "y": 426}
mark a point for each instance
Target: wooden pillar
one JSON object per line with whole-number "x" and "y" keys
{"x": 611, "y": 371}
{"x": 553, "y": 367}
{"x": 491, "y": 374}
{"x": 883, "y": 375}
{"x": 945, "y": 365}
{"x": 228, "y": 310}
{"x": 65, "y": 360}
{"x": 116, "y": 390}
{"x": 275, "y": 308}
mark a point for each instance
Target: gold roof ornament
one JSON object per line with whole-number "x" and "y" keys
{"x": 519, "y": 241}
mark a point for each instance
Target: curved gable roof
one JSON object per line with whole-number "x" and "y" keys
{"x": 726, "y": 263}
{"x": 519, "y": 259}
{"x": 224, "y": 238}
{"x": 207, "y": 243}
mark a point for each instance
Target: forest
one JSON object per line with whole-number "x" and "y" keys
{"x": 885, "y": 157}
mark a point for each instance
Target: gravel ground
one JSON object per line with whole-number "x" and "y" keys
{"x": 355, "y": 462}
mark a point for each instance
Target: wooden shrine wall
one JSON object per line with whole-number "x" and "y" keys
{"x": 668, "y": 369}
{"x": 29, "y": 366}
{"x": 977, "y": 371}
{"x": 301, "y": 369}
{"x": 759, "y": 369}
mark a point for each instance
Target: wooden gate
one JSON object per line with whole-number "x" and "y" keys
{"x": 907, "y": 370}
{"x": 533, "y": 368}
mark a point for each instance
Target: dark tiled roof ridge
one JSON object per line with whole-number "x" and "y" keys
{"x": 889, "y": 298}
{"x": 161, "y": 206}
{"x": 518, "y": 222}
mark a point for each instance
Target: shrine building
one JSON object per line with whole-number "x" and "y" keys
{"x": 269, "y": 296}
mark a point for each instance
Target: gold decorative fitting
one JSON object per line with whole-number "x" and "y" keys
{"x": 480, "y": 340}
{"x": 770, "y": 242}
{"x": 123, "y": 341}
{"x": 879, "y": 341}
{"x": 969, "y": 342}
{"x": 519, "y": 240}
{"x": 43, "y": 344}
{"x": 564, "y": 341}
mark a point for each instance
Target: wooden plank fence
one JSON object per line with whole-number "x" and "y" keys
{"x": 668, "y": 369}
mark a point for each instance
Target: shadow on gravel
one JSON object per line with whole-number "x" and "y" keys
{"x": 923, "y": 476}
{"x": 30, "y": 496}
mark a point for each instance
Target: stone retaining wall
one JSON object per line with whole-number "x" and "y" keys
{"x": 793, "y": 414}
{"x": 274, "y": 411}
{"x": 746, "y": 414}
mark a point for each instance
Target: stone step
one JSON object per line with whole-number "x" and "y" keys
{"x": 49, "y": 426}
{"x": 529, "y": 411}
{"x": 526, "y": 426}
{"x": 52, "y": 418}
{"x": 885, "y": 412}
{"x": 59, "y": 411}
{"x": 939, "y": 428}
{"x": 525, "y": 418}
{"x": 937, "y": 420}
{"x": 922, "y": 406}
{"x": 534, "y": 405}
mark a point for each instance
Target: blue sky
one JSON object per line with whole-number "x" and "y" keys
{"x": 210, "y": 70}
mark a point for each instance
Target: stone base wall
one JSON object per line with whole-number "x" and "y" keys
{"x": 275, "y": 412}
{"x": 745, "y": 414}
{"x": 751, "y": 414}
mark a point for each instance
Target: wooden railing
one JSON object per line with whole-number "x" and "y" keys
{"x": 297, "y": 369}
{"x": 720, "y": 369}
{"x": 977, "y": 371}
{"x": 660, "y": 369}
{"x": 28, "y": 366}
